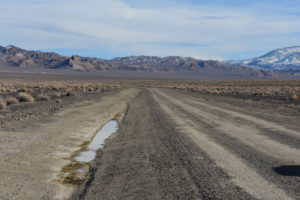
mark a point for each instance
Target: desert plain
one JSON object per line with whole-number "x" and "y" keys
{"x": 176, "y": 139}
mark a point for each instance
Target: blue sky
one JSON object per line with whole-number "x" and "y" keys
{"x": 214, "y": 29}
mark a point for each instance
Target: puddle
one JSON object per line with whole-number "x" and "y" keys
{"x": 81, "y": 170}
{"x": 75, "y": 172}
{"x": 98, "y": 141}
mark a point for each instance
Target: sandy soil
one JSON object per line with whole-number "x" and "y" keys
{"x": 32, "y": 157}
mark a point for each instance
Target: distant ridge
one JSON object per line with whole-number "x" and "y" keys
{"x": 20, "y": 59}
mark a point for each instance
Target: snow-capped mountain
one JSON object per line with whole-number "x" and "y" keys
{"x": 14, "y": 58}
{"x": 279, "y": 59}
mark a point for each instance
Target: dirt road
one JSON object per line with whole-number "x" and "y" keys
{"x": 173, "y": 145}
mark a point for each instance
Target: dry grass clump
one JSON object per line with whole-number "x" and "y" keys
{"x": 2, "y": 104}
{"x": 11, "y": 90}
{"x": 25, "y": 90}
{"x": 56, "y": 88}
{"x": 70, "y": 94}
{"x": 58, "y": 101}
{"x": 294, "y": 97}
{"x": 24, "y": 97}
{"x": 43, "y": 97}
{"x": 11, "y": 100}
{"x": 3, "y": 89}
{"x": 57, "y": 94}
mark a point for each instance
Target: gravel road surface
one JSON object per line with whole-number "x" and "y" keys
{"x": 173, "y": 145}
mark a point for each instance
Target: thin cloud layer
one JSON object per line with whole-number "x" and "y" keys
{"x": 110, "y": 28}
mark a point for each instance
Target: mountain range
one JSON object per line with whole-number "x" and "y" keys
{"x": 280, "y": 59}
{"x": 12, "y": 57}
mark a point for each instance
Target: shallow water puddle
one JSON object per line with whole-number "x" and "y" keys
{"x": 81, "y": 170}
{"x": 90, "y": 153}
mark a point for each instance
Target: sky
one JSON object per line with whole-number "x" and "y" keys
{"x": 214, "y": 29}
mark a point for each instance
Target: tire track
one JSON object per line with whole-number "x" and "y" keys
{"x": 246, "y": 134}
{"x": 241, "y": 174}
{"x": 281, "y": 137}
{"x": 262, "y": 163}
{"x": 263, "y": 124}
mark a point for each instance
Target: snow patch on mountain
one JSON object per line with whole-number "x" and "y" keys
{"x": 279, "y": 59}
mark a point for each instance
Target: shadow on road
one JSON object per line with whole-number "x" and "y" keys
{"x": 288, "y": 170}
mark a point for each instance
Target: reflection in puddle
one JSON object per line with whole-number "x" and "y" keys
{"x": 90, "y": 153}
{"x": 81, "y": 170}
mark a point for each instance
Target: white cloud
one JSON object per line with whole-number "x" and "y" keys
{"x": 115, "y": 25}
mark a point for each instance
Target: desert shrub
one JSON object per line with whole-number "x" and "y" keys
{"x": 215, "y": 92}
{"x": 55, "y": 88}
{"x": 70, "y": 94}
{"x": 294, "y": 97}
{"x": 58, "y": 101}
{"x": 11, "y": 100}
{"x": 2, "y": 104}
{"x": 3, "y": 89}
{"x": 24, "y": 97}
{"x": 11, "y": 90}
{"x": 57, "y": 94}
{"x": 25, "y": 90}
{"x": 43, "y": 97}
